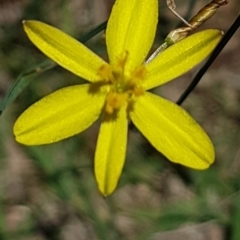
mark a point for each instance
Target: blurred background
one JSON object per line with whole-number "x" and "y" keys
{"x": 49, "y": 192}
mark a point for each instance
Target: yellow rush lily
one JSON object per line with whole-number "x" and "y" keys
{"x": 118, "y": 91}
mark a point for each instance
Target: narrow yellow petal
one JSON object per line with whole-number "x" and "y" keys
{"x": 172, "y": 131}
{"x": 59, "y": 115}
{"x": 181, "y": 57}
{"x": 131, "y": 29}
{"x": 64, "y": 50}
{"x": 111, "y": 151}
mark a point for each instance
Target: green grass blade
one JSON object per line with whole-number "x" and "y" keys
{"x": 22, "y": 81}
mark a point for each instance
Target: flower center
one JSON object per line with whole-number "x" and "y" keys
{"x": 124, "y": 86}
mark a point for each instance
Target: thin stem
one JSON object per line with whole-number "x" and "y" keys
{"x": 213, "y": 56}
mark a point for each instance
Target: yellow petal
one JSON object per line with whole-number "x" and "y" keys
{"x": 64, "y": 50}
{"x": 59, "y": 115}
{"x": 172, "y": 131}
{"x": 131, "y": 29}
{"x": 111, "y": 151}
{"x": 181, "y": 57}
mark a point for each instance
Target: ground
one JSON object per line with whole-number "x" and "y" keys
{"x": 49, "y": 192}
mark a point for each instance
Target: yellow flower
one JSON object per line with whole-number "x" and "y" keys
{"x": 118, "y": 91}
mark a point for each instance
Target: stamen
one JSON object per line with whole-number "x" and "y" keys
{"x": 105, "y": 72}
{"x": 123, "y": 87}
{"x": 140, "y": 73}
{"x": 115, "y": 101}
{"x": 123, "y": 60}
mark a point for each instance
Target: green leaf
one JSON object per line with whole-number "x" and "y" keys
{"x": 22, "y": 81}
